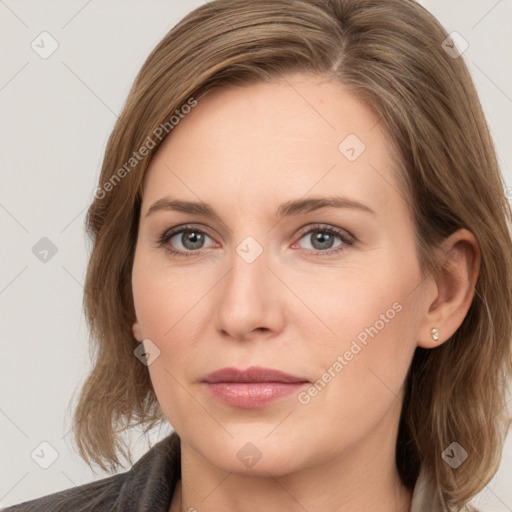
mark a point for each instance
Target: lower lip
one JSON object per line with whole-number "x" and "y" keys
{"x": 251, "y": 395}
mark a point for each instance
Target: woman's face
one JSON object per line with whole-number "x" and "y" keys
{"x": 331, "y": 296}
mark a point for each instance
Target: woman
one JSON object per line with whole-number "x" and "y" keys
{"x": 309, "y": 278}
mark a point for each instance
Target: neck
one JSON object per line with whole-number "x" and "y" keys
{"x": 277, "y": 494}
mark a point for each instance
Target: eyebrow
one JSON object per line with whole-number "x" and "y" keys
{"x": 287, "y": 209}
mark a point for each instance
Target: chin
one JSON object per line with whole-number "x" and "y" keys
{"x": 252, "y": 452}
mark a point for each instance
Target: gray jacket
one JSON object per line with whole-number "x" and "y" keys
{"x": 149, "y": 486}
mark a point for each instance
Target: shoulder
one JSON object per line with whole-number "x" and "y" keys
{"x": 148, "y": 485}
{"x": 98, "y": 495}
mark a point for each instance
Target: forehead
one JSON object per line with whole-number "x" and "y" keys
{"x": 276, "y": 140}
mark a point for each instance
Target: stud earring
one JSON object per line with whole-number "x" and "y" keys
{"x": 435, "y": 334}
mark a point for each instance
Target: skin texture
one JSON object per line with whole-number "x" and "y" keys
{"x": 245, "y": 150}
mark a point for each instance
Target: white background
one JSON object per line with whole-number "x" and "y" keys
{"x": 56, "y": 116}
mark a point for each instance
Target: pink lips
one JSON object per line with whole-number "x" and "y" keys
{"x": 251, "y": 388}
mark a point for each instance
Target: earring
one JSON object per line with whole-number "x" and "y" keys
{"x": 435, "y": 334}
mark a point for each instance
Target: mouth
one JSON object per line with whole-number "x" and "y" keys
{"x": 252, "y": 388}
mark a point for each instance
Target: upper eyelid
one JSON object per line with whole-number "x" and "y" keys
{"x": 171, "y": 232}
{"x": 322, "y": 226}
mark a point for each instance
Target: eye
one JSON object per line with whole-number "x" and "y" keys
{"x": 187, "y": 239}
{"x": 322, "y": 239}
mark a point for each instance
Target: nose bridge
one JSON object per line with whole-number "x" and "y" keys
{"x": 248, "y": 276}
{"x": 248, "y": 298}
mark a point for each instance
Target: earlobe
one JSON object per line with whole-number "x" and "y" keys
{"x": 455, "y": 280}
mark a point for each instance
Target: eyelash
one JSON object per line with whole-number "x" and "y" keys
{"x": 322, "y": 228}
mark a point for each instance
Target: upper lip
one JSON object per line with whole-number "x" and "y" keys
{"x": 252, "y": 374}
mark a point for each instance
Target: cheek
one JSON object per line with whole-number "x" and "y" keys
{"x": 366, "y": 302}
{"x": 374, "y": 317}
{"x": 360, "y": 370}
{"x": 168, "y": 306}
{"x": 166, "y": 300}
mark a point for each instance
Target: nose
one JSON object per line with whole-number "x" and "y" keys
{"x": 251, "y": 300}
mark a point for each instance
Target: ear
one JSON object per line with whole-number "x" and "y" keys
{"x": 137, "y": 331}
{"x": 450, "y": 290}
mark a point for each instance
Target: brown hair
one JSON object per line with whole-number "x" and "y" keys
{"x": 390, "y": 54}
